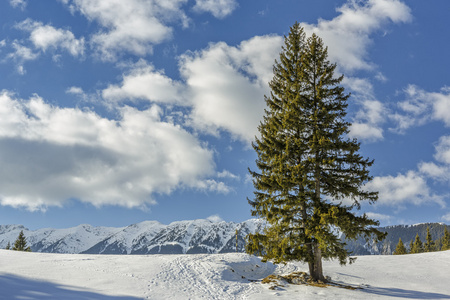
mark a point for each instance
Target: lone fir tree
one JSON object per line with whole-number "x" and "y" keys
{"x": 21, "y": 243}
{"x": 417, "y": 246}
{"x": 429, "y": 245}
{"x": 400, "y": 249}
{"x": 310, "y": 175}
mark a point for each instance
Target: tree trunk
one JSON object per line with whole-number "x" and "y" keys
{"x": 315, "y": 268}
{"x": 309, "y": 246}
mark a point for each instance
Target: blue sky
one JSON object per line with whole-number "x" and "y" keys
{"x": 115, "y": 112}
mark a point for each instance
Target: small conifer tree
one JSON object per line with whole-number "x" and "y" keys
{"x": 400, "y": 249}
{"x": 417, "y": 247}
{"x": 446, "y": 240}
{"x": 21, "y": 243}
{"x": 429, "y": 244}
{"x": 8, "y": 246}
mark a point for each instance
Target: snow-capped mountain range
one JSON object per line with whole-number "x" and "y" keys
{"x": 183, "y": 237}
{"x": 149, "y": 237}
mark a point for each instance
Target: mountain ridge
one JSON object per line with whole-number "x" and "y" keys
{"x": 147, "y": 237}
{"x": 184, "y": 237}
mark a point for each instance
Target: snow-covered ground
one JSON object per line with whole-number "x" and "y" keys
{"x": 213, "y": 276}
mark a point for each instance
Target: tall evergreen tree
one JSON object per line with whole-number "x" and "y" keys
{"x": 310, "y": 174}
{"x": 417, "y": 247}
{"x": 21, "y": 243}
{"x": 446, "y": 240}
{"x": 400, "y": 249}
{"x": 428, "y": 246}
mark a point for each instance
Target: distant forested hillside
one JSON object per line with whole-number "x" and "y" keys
{"x": 405, "y": 232}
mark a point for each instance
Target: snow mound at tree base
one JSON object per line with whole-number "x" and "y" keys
{"x": 302, "y": 278}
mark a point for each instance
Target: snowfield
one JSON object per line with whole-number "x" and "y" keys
{"x": 214, "y": 276}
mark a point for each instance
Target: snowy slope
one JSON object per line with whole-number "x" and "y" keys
{"x": 213, "y": 276}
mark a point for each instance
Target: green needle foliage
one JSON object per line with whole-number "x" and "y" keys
{"x": 310, "y": 174}
{"x": 446, "y": 240}
{"x": 428, "y": 246}
{"x": 417, "y": 246}
{"x": 21, "y": 243}
{"x": 400, "y": 249}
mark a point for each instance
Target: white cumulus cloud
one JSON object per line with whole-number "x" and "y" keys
{"x": 434, "y": 171}
{"x": 132, "y": 26}
{"x": 46, "y": 37}
{"x": 144, "y": 82}
{"x": 421, "y": 107}
{"x": 439, "y": 170}
{"x": 218, "y": 8}
{"x": 20, "y": 55}
{"x": 228, "y": 174}
{"x": 223, "y": 86}
{"x": 365, "y": 131}
{"x": 67, "y": 153}
{"x": 227, "y": 84}
{"x": 368, "y": 120}
{"x": 403, "y": 189}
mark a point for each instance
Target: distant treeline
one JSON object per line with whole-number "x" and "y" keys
{"x": 430, "y": 245}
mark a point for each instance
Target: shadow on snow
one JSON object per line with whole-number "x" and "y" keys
{"x": 15, "y": 287}
{"x": 401, "y": 293}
